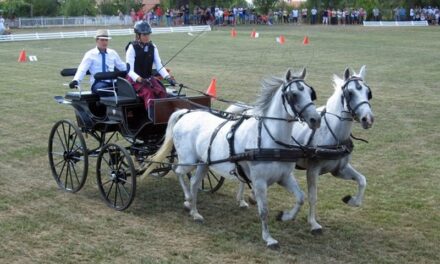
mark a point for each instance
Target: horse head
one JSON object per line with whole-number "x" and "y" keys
{"x": 356, "y": 96}
{"x": 300, "y": 96}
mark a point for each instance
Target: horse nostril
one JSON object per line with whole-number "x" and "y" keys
{"x": 312, "y": 120}
{"x": 364, "y": 119}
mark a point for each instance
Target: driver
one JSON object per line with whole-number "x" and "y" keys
{"x": 99, "y": 59}
{"x": 141, "y": 54}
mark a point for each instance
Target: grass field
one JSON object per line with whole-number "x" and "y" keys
{"x": 399, "y": 221}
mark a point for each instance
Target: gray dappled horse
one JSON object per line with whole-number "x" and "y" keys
{"x": 349, "y": 102}
{"x": 195, "y": 133}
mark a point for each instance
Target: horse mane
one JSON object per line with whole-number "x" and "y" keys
{"x": 269, "y": 86}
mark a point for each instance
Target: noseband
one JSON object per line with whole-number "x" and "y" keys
{"x": 346, "y": 95}
{"x": 288, "y": 96}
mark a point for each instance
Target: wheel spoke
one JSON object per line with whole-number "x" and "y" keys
{"x": 120, "y": 195}
{"x": 61, "y": 172}
{"x": 71, "y": 178}
{"x": 116, "y": 195}
{"x": 67, "y": 175}
{"x": 210, "y": 183}
{"x": 105, "y": 183}
{"x": 76, "y": 174}
{"x": 125, "y": 190}
{"x": 61, "y": 141}
{"x": 107, "y": 162}
{"x": 56, "y": 165}
{"x": 111, "y": 187}
{"x": 73, "y": 142}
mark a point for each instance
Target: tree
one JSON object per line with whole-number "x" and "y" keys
{"x": 263, "y": 6}
{"x": 78, "y": 8}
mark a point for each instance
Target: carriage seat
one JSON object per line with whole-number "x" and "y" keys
{"x": 125, "y": 94}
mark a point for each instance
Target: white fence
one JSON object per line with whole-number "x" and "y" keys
{"x": 34, "y": 22}
{"x": 395, "y": 23}
{"x": 83, "y": 34}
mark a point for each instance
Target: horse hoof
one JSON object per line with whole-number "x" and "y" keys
{"x": 275, "y": 246}
{"x": 317, "y": 232}
{"x": 199, "y": 221}
{"x": 346, "y": 199}
{"x": 280, "y": 216}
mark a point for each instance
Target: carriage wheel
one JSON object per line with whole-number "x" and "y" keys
{"x": 116, "y": 176}
{"x": 68, "y": 156}
{"x": 211, "y": 182}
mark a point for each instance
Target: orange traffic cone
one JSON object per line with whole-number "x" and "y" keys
{"x": 233, "y": 33}
{"x": 281, "y": 39}
{"x": 253, "y": 33}
{"x": 306, "y": 40}
{"x": 212, "y": 91}
{"x": 22, "y": 56}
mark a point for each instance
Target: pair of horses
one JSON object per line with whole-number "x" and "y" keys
{"x": 201, "y": 138}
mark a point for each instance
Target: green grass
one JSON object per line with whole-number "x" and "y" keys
{"x": 398, "y": 223}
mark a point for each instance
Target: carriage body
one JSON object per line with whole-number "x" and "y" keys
{"x": 122, "y": 113}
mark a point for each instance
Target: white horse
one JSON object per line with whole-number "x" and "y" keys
{"x": 201, "y": 138}
{"x": 350, "y": 101}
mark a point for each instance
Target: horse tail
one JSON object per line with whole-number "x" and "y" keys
{"x": 167, "y": 145}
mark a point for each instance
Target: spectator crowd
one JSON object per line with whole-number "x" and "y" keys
{"x": 238, "y": 15}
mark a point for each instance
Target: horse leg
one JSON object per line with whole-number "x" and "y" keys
{"x": 312, "y": 177}
{"x": 349, "y": 173}
{"x": 194, "y": 188}
{"x": 181, "y": 174}
{"x": 260, "y": 189}
{"x": 240, "y": 196}
{"x": 289, "y": 182}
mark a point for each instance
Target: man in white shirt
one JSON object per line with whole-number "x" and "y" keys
{"x": 2, "y": 25}
{"x": 141, "y": 54}
{"x": 98, "y": 59}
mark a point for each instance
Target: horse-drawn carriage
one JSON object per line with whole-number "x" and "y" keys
{"x": 103, "y": 119}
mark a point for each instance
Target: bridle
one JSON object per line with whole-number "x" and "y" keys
{"x": 288, "y": 97}
{"x": 347, "y": 96}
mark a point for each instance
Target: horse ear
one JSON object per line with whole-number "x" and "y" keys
{"x": 303, "y": 74}
{"x": 362, "y": 72}
{"x": 346, "y": 74}
{"x": 288, "y": 75}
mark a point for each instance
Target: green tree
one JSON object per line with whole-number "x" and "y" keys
{"x": 78, "y": 8}
{"x": 263, "y": 6}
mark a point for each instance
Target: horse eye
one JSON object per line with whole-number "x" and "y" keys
{"x": 358, "y": 87}
{"x": 300, "y": 87}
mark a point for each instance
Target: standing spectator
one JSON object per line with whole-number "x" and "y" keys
{"x": 186, "y": 15}
{"x": 295, "y": 16}
{"x": 304, "y": 15}
{"x": 325, "y": 17}
{"x": 159, "y": 14}
{"x": 376, "y": 14}
{"x": 314, "y": 13}
{"x": 402, "y": 14}
{"x": 121, "y": 17}
{"x": 133, "y": 16}
{"x": 2, "y": 25}
{"x": 334, "y": 16}
{"x": 168, "y": 17}
{"x": 411, "y": 14}
{"x": 285, "y": 16}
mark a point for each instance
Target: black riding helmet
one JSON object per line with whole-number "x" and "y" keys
{"x": 142, "y": 27}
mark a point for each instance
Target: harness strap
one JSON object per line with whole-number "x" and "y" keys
{"x": 214, "y": 134}
{"x": 239, "y": 172}
{"x": 274, "y": 139}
